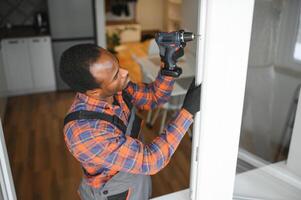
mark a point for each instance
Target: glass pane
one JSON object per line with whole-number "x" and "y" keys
{"x": 268, "y": 164}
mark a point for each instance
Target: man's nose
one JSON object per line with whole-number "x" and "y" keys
{"x": 124, "y": 72}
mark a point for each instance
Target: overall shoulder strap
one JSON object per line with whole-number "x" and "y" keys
{"x": 85, "y": 114}
{"x": 127, "y": 98}
{"x": 135, "y": 122}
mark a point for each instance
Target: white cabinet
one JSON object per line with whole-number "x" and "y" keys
{"x": 17, "y": 64}
{"x": 28, "y": 65}
{"x": 42, "y": 67}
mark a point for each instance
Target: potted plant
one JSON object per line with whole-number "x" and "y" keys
{"x": 113, "y": 40}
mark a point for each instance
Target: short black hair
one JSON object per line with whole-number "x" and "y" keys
{"x": 75, "y": 64}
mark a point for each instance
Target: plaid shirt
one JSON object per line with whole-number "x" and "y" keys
{"x": 103, "y": 149}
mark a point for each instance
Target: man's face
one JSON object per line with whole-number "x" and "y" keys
{"x": 108, "y": 74}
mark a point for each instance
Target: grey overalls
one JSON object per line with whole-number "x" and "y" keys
{"x": 122, "y": 186}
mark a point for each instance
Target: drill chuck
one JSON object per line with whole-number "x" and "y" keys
{"x": 187, "y": 36}
{"x": 174, "y": 38}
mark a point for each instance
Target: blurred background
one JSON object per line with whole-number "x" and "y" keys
{"x": 34, "y": 100}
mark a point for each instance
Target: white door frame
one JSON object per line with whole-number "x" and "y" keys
{"x": 222, "y": 60}
{"x": 6, "y": 180}
{"x": 222, "y": 54}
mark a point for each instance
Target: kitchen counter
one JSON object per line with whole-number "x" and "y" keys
{"x": 20, "y": 32}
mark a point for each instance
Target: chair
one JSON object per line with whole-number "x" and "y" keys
{"x": 174, "y": 104}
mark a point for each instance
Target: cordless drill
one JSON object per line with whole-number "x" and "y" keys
{"x": 171, "y": 44}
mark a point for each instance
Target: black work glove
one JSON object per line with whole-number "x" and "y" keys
{"x": 192, "y": 98}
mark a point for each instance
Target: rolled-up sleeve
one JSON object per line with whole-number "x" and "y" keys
{"x": 148, "y": 96}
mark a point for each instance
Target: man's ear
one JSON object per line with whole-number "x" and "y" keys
{"x": 94, "y": 93}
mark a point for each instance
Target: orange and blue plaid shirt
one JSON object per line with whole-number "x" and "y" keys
{"x": 103, "y": 149}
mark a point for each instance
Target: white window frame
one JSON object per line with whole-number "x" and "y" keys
{"x": 222, "y": 60}
{"x": 226, "y": 42}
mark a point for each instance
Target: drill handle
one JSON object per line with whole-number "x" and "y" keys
{"x": 171, "y": 62}
{"x": 168, "y": 59}
{"x": 171, "y": 54}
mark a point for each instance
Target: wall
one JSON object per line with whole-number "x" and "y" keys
{"x": 150, "y": 14}
{"x": 20, "y": 12}
{"x": 273, "y": 76}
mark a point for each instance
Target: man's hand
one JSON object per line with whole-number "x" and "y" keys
{"x": 192, "y": 98}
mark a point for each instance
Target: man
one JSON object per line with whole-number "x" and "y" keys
{"x": 102, "y": 131}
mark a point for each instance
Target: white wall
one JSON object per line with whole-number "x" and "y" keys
{"x": 150, "y": 14}
{"x": 3, "y": 96}
{"x": 273, "y": 75}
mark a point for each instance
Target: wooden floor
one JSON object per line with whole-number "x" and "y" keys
{"x": 41, "y": 165}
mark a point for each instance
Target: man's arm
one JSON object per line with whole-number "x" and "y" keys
{"x": 148, "y": 96}
{"x": 123, "y": 153}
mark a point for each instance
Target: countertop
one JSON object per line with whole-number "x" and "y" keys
{"x": 20, "y": 32}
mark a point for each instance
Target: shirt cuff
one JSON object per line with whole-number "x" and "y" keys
{"x": 166, "y": 78}
{"x": 187, "y": 114}
{"x": 183, "y": 120}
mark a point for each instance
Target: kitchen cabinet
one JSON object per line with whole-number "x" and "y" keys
{"x": 40, "y": 54}
{"x": 17, "y": 65}
{"x": 28, "y": 65}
